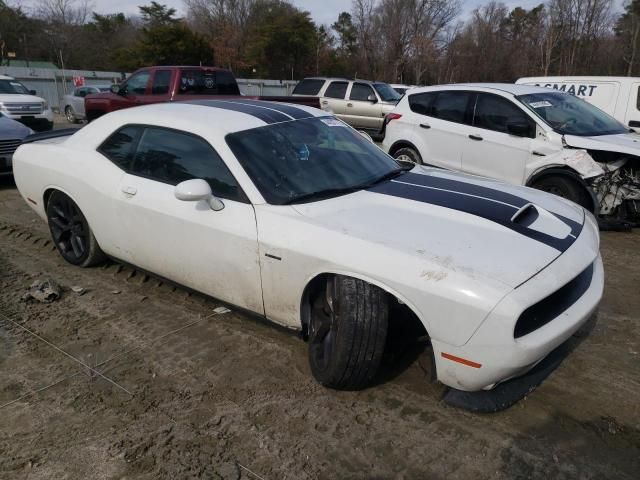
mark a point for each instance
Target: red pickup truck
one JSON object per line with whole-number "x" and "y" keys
{"x": 172, "y": 84}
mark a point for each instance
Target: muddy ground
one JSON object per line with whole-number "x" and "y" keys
{"x": 172, "y": 388}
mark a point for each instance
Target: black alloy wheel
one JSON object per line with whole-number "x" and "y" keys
{"x": 70, "y": 231}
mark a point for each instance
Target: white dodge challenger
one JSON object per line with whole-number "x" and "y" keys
{"x": 287, "y": 212}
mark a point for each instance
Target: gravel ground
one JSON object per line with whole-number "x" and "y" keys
{"x": 170, "y": 386}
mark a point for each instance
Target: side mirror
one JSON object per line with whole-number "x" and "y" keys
{"x": 372, "y": 98}
{"x": 519, "y": 129}
{"x": 117, "y": 89}
{"x": 32, "y": 92}
{"x": 196, "y": 190}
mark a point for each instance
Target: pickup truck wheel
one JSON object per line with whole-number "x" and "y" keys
{"x": 347, "y": 333}
{"x": 408, "y": 154}
{"x": 71, "y": 233}
{"x": 71, "y": 117}
{"x": 564, "y": 187}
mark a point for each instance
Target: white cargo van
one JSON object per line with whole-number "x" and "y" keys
{"x": 618, "y": 96}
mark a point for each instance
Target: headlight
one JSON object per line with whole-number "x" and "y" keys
{"x": 2, "y": 107}
{"x": 45, "y": 105}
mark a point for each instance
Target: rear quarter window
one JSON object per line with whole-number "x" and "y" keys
{"x": 206, "y": 82}
{"x": 308, "y": 87}
{"x": 119, "y": 147}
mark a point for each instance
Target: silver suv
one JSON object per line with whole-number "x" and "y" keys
{"x": 360, "y": 103}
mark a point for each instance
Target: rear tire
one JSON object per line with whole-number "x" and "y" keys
{"x": 347, "y": 333}
{"x": 408, "y": 154}
{"x": 71, "y": 233}
{"x": 565, "y": 187}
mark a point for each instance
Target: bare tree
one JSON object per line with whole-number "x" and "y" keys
{"x": 64, "y": 20}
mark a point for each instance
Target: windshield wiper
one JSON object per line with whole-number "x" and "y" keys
{"x": 332, "y": 192}
{"x": 388, "y": 176}
{"x": 321, "y": 194}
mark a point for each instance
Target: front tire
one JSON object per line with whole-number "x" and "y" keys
{"x": 71, "y": 117}
{"x": 565, "y": 187}
{"x": 71, "y": 233}
{"x": 347, "y": 333}
{"x": 408, "y": 154}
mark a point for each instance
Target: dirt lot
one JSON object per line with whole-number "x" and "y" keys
{"x": 188, "y": 392}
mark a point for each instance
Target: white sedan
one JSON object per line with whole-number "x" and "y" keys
{"x": 287, "y": 212}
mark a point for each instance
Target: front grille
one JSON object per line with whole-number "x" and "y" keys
{"x": 7, "y": 147}
{"x": 24, "y": 108}
{"x": 551, "y": 307}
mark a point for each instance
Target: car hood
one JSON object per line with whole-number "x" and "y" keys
{"x": 19, "y": 98}
{"x": 628, "y": 143}
{"x": 10, "y": 129}
{"x": 463, "y": 223}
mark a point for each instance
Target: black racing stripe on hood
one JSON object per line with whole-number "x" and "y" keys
{"x": 484, "y": 202}
{"x": 294, "y": 112}
{"x": 267, "y": 115}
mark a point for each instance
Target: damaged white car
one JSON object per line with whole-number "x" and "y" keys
{"x": 524, "y": 135}
{"x": 287, "y": 212}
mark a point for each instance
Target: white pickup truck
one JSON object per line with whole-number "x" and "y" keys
{"x": 21, "y": 104}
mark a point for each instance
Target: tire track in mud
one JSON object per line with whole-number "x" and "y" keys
{"x": 233, "y": 391}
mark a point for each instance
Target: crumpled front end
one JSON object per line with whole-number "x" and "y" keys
{"x": 618, "y": 189}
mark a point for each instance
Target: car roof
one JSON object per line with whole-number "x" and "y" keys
{"x": 6, "y": 77}
{"x": 511, "y": 88}
{"x": 343, "y": 79}
{"x": 199, "y": 116}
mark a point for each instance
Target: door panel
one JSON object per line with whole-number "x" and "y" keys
{"x": 134, "y": 90}
{"x": 335, "y": 98}
{"x": 361, "y": 112}
{"x": 212, "y": 252}
{"x": 632, "y": 117}
{"x": 492, "y": 151}
{"x": 158, "y": 90}
{"x": 441, "y": 126}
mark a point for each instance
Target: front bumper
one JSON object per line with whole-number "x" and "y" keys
{"x": 6, "y": 164}
{"x": 39, "y": 123}
{"x": 494, "y": 355}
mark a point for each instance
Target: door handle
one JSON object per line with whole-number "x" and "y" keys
{"x": 475, "y": 137}
{"x": 425, "y": 125}
{"x": 539, "y": 154}
{"x": 129, "y": 190}
{"x": 349, "y": 104}
{"x": 325, "y": 102}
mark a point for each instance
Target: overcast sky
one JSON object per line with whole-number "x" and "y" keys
{"x": 322, "y": 11}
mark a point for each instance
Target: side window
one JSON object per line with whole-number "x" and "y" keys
{"x": 309, "y": 86}
{"x": 161, "y": 81}
{"x": 422, "y": 102}
{"x": 361, "y": 92}
{"x": 638, "y": 99}
{"x": 173, "y": 157}
{"x": 337, "y": 90}
{"x": 494, "y": 113}
{"x": 226, "y": 83}
{"x": 137, "y": 84}
{"x": 451, "y": 106}
{"x": 119, "y": 146}
{"x": 81, "y": 92}
{"x": 208, "y": 82}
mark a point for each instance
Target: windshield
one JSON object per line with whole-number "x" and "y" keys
{"x": 387, "y": 94}
{"x": 104, "y": 89}
{"x": 569, "y": 115}
{"x": 309, "y": 159}
{"x": 12, "y": 86}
